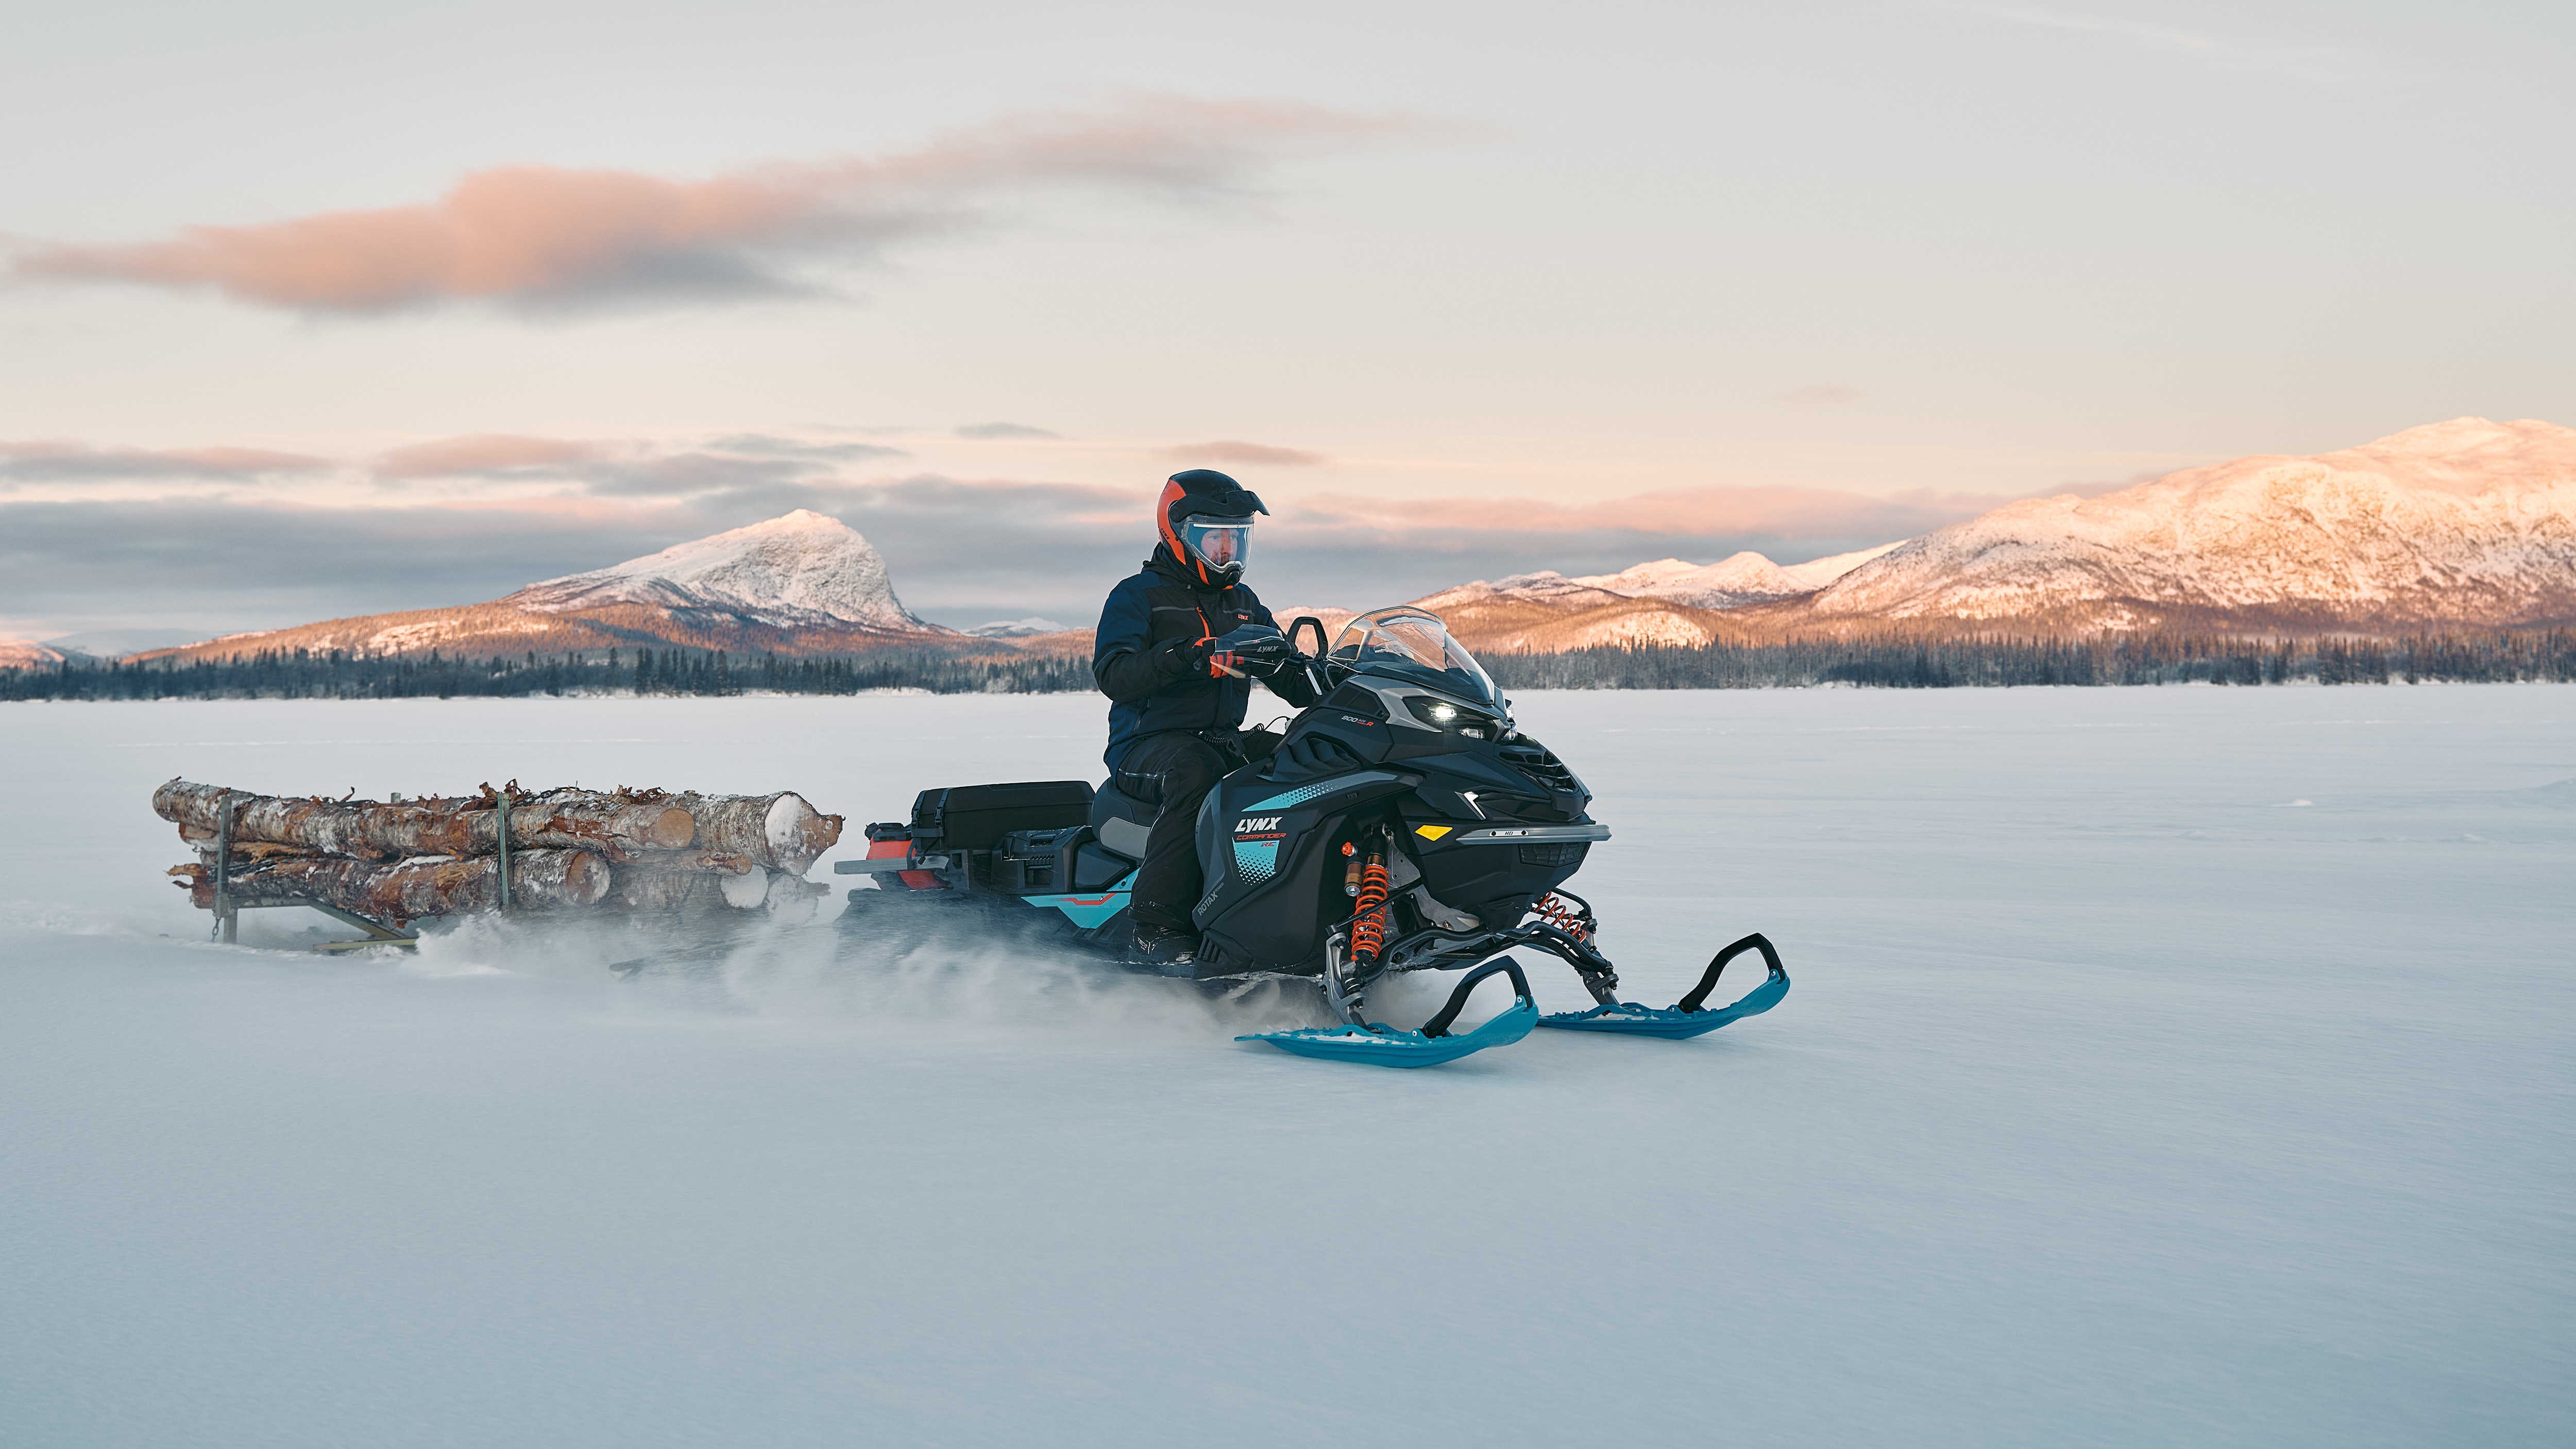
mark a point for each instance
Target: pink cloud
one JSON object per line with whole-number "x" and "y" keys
{"x": 54, "y": 460}
{"x": 1255, "y": 454}
{"x": 541, "y": 236}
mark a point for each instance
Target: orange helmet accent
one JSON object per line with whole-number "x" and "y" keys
{"x": 1173, "y": 493}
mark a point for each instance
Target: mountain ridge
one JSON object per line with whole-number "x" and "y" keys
{"x": 801, "y": 569}
{"x": 2460, "y": 523}
{"x": 27, "y": 654}
{"x": 2466, "y": 523}
{"x": 799, "y": 584}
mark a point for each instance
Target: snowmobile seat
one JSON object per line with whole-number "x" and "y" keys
{"x": 977, "y": 817}
{"x": 1121, "y": 822}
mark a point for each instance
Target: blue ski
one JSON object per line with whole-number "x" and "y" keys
{"x": 1689, "y": 1018}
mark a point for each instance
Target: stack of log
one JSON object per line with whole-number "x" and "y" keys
{"x": 400, "y": 861}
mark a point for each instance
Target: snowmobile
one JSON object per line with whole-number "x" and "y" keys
{"x": 1402, "y": 824}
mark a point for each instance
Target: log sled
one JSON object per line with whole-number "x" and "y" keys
{"x": 385, "y": 866}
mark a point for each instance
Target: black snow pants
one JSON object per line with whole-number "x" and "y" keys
{"x": 1175, "y": 769}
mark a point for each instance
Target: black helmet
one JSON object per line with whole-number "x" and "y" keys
{"x": 1206, "y": 521}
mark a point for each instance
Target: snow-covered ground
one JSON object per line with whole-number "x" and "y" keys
{"x": 2183, "y": 1066}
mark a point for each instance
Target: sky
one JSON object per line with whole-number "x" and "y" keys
{"x": 309, "y": 311}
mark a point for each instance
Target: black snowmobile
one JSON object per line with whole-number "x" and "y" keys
{"x": 1402, "y": 824}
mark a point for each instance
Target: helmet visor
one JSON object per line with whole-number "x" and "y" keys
{"x": 1217, "y": 542}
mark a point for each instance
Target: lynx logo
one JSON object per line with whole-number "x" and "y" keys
{"x": 1256, "y": 824}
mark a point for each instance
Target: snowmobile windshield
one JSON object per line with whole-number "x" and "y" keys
{"x": 1217, "y": 542}
{"x": 1412, "y": 644}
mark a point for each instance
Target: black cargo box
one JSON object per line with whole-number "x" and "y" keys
{"x": 976, "y": 817}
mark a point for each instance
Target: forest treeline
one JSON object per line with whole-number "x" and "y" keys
{"x": 1890, "y": 662}
{"x": 279, "y": 674}
{"x": 1899, "y": 662}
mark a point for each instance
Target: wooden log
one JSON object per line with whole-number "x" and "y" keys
{"x": 718, "y": 862}
{"x": 250, "y": 850}
{"x": 779, "y": 831}
{"x": 412, "y": 889}
{"x": 618, "y": 826}
{"x": 649, "y": 885}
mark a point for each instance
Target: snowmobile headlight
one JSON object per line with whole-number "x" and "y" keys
{"x": 1441, "y": 714}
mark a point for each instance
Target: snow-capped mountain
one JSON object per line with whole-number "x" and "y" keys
{"x": 1016, "y": 628}
{"x": 799, "y": 569}
{"x": 798, "y": 584}
{"x": 1667, "y": 602}
{"x": 2468, "y": 522}
{"x": 1743, "y": 578}
{"x": 1738, "y": 579}
{"x": 1548, "y": 612}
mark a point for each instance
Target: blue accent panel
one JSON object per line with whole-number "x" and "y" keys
{"x": 1380, "y": 1047}
{"x": 1671, "y": 1023}
{"x": 1089, "y": 908}
{"x": 1256, "y": 859}
{"x": 1298, "y": 796}
{"x": 1304, "y": 793}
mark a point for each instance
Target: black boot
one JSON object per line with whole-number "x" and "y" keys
{"x": 1165, "y": 946}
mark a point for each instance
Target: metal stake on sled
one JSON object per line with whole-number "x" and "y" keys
{"x": 228, "y": 911}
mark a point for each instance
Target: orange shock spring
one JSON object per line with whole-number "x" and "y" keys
{"x": 1368, "y": 931}
{"x": 1558, "y": 913}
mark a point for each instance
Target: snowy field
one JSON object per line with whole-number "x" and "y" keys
{"x": 2184, "y": 1066}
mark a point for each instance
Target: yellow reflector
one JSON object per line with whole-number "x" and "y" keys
{"x": 1431, "y": 832}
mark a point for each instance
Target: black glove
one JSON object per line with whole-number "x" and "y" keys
{"x": 1184, "y": 658}
{"x": 1259, "y": 650}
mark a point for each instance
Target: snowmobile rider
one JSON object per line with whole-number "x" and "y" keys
{"x": 1178, "y": 695}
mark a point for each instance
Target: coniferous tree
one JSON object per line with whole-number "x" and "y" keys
{"x": 1886, "y": 662}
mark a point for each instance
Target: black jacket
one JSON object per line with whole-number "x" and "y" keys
{"x": 1138, "y": 657}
